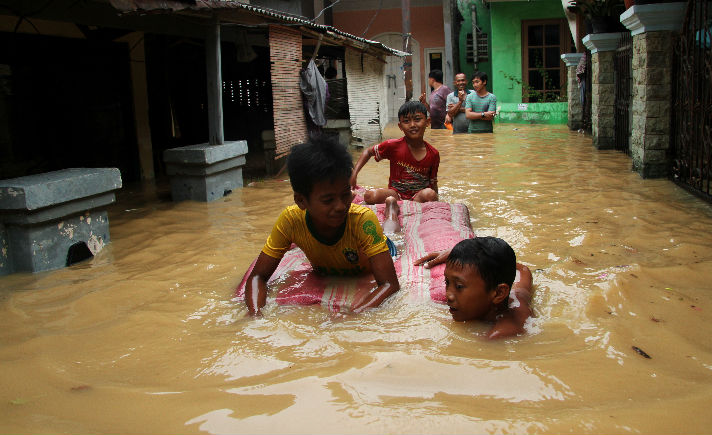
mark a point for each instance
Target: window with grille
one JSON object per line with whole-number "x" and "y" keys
{"x": 482, "y": 48}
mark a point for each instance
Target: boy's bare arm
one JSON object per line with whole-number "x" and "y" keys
{"x": 385, "y": 274}
{"x": 256, "y": 288}
{"x": 362, "y": 160}
{"x": 512, "y": 322}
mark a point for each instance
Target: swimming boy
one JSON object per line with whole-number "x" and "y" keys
{"x": 337, "y": 236}
{"x": 480, "y": 284}
{"x": 480, "y": 106}
{"x": 414, "y": 162}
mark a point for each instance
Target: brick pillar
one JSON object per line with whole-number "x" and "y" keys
{"x": 572, "y": 89}
{"x": 652, "y": 27}
{"x": 603, "y": 51}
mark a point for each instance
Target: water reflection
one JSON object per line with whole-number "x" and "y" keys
{"x": 150, "y": 323}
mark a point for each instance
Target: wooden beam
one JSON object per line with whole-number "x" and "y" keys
{"x": 214, "y": 74}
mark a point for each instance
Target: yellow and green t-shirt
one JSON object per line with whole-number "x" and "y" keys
{"x": 362, "y": 239}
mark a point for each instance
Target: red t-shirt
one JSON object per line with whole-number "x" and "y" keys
{"x": 408, "y": 176}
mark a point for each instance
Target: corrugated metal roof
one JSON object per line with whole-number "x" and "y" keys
{"x": 133, "y": 6}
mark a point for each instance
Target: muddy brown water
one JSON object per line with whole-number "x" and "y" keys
{"x": 144, "y": 338}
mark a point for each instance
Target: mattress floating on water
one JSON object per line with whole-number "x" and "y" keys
{"x": 426, "y": 227}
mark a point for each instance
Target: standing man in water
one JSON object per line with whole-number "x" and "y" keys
{"x": 456, "y": 105}
{"x": 438, "y": 99}
{"x": 480, "y": 106}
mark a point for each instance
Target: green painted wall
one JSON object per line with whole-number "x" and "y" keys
{"x": 483, "y": 22}
{"x": 533, "y": 113}
{"x": 506, "y": 42}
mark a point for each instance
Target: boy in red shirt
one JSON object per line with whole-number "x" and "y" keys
{"x": 414, "y": 162}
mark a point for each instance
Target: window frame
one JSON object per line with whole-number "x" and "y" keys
{"x": 564, "y": 42}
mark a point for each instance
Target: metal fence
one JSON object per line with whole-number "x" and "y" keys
{"x": 692, "y": 101}
{"x": 623, "y": 78}
{"x": 587, "y": 108}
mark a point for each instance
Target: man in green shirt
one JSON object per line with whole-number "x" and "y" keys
{"x": 480, "y": 106}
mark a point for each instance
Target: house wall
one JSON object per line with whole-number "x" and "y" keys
{"x": 426, "y": 23}
{"x": 506, "y": 43}
{"x": 367, "y": 96}
{"x": 484, "y": 23}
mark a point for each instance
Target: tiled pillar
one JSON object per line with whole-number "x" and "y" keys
{"x": 603, "y": 51}
{"x": 652, "y": 27}
{"x": 572, "y": 89}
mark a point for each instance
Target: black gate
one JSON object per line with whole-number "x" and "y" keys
{"x": 623, "y": 79}
{"x": 587, "y": 108}
{"x": 692, "y": 101}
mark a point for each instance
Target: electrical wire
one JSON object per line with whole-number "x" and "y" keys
{"x": 380, "y": 5}
{"x": 322, "y": 11}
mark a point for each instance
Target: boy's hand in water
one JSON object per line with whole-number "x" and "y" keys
{"x": 256, "y": 286}
{"x": 385, "y": 274}
{"x": 432, "y": 259}
{"x": 254, "y": 306}
{"x": 365, "y": 299}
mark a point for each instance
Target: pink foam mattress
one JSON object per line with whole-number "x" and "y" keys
{"x": 426, "y": 227}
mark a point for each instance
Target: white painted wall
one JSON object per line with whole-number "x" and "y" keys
{"x": 367, "y": 96}
{"x": 395, "y": 97}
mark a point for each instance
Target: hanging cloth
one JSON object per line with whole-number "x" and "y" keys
{"x": 313, "y": 88}
{"x": 581, "y": 78}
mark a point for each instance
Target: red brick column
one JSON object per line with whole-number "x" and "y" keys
{"x": 285, "y": 49}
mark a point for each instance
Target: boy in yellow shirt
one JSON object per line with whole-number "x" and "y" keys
{"x": 337, "y": 236}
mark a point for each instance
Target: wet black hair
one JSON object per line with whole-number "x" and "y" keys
{"x": 322, "y": 157}
{"x": 493, "y": 257}
{"x": 479, "y": 75}
{"x": 412, "y": 107}
{"x": 437, "y": 75}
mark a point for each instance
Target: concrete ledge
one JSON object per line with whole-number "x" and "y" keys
{"x": 571, "y": 59}
{"x": 340, "y": 128}
{"x": 601, "y": 41}
{"x": 533, "y": 113}
{"x": 51, "y": 188}
{"x": 654, "y": 17}
{"x": 338, "y": 123}
{"x": 205, "y": 172}
{"x": 43, "y": 216}
{"x": 205, "y": 154}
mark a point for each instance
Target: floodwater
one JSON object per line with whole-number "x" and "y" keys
{"x": 145, "y": 338}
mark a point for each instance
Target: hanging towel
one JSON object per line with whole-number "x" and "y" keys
{"x": 313, "y": 87}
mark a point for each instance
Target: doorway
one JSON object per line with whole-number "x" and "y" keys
{"x": 433, "y": 60}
